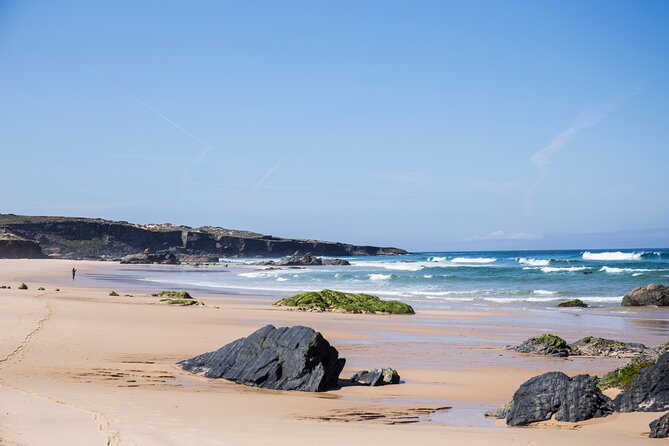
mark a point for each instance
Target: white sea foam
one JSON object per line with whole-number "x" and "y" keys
{"x": 611, "y": 270}
{"x": 256, "y": 275}
{"x": 399, "y": 266}
{"x": 564, "y": 269}
{"x": 379, "y": 276}
{"x": 534, "y": 262}
{"x": 473, "y": 260}
{"x": 612, "y": 255}
{"x": 436, "y": 259}
{"x": 544, "y": 292}
{"x": 636, "y": 274}
{"x": 281, "y": 279}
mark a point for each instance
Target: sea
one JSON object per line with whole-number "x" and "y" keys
{"x": 428, "y": 280}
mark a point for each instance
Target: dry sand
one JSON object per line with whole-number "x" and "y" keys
{"x": 78, "y": 367}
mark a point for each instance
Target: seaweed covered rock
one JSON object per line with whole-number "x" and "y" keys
{"x": 501, "y": 412}
{"x": 180, "y": 298}
{"x": 592, "y": 346}
{"x": 545, "y": 344}
{"x": 653, "y": 294}
{"x": 295, "y": 358}
{"x": 649, "y": 391}
{"x": 660, "y": 428}
{"x": 329, "y": 300}
{"x": 554, "y": 393}
{"x": 573, "y": 303}
{"x": 377, "y": 377}
{"x": 623, "y": 376}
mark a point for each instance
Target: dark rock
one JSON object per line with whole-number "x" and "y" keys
{"x": 337, "y": 262}
{"x": 161, "y": 257}
{"x": 295, "y": 358}
{"x": 592, "y": 346}
{"x": 660, "y": 428}
{"x": 545, "y": 344}
{"x": 653, "y": 294}
{"x": 501, "y": 412}
{"x": 198, "y": 258}
{"x": 377, "y": 377}
{"x": 305, "y": 260}
{"x": 623, "y": 376}
{"x": 649, "y": 391}
{"x": 554, "y": 393}
{"x": 14, "y": 247}
{"x": 573, "y": 303}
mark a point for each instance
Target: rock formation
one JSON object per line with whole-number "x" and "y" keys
{"x": 653, "y": 294}
{"x": 15, "y": 247}
{"x": 161, "y": 257}
{"x": 295, "y": 358}
{"x": 592, "y": 346}
{"x": 554, "y": 393}
{"x": 660, "y": 428}
{"x": 331, "y": 300}
{"x": 93, "y": 238}
{"x": 649, "y": 391}
{"x": 545, "y": 344}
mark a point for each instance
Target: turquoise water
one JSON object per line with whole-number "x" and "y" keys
{"x": 441, "y": 279}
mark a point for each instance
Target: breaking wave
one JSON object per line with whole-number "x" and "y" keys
{"x": 534, "y": 262}
{"x": 474, "y": 260}
{"x": 612, "y": 255}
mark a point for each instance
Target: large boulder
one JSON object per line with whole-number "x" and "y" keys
{"x": 377, "y": 377}
{"x": 649, "y": 391}
{"x": 545, "y": 344}
{"x": 295, "y": 358}
{"x": 554, "y": 393}
{"x": 660, "y": 428}
{"x": 593, "y": 346}
{"x": 653, "y": 294}
{"x": 162, "y": 257}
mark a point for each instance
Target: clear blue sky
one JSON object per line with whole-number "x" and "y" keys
{"x": 426, "y": 125}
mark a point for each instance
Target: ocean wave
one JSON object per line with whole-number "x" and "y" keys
{"x": 473, "y": 260}
{"x": 563, "y": 269}
{"x": 398, "y": 266}
{"x": 612, "y": 255}
{"x": 436, "y": 259}
{"x": 379, "y": 276}
{"x": 281, "y": 279}
{"x": 534, "y": 262}
{"x": 544, "y": 292}
{"x": 612, "y": 270}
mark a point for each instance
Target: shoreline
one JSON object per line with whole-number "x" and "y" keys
{"x": 102, "y": 369}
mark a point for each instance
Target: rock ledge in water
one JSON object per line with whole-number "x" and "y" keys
{"x": 295, "y": 358}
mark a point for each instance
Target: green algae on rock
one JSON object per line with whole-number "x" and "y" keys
{"x": 330, "y": 300}
{"x": 174, "y": 294}
{"x": 623, "y": 376}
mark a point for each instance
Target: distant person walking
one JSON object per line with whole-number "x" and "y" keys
{"x": 74, "y": 272}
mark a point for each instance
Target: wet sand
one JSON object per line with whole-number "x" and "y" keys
{"x": 80, "y": 367}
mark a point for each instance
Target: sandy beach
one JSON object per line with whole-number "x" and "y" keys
{"x": 78, "y": 367}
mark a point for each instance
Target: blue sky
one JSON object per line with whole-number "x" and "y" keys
{"x": 426, "y": 125}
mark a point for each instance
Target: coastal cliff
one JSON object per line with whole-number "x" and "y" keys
{"x": 94, "y": 238}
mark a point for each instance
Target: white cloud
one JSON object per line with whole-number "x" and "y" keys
{"x": 501, "y": 235}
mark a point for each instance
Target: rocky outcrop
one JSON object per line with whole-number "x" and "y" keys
{"x": 337, "y": 262}
{"x": 592, "y": 346}
{"x": 545, "y": 344}
{"x": 660, "y": 428}
{"x": 14, "y": 247}
{"x": 295, "y": 358}
{"x": 93, "y": 238}
{"x": 331, "y": 300}
{"x": 377, "y": 377}
{"x": 649, "y": 391}
{"x": 556, "y": 394}
{"x": 161, "y": 257}
{"x": 295, "y": 260}
{"x": 653, "y": 294}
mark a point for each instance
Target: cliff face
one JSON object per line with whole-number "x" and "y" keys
{"x": 13, "y": 247}
{"x": 88, "y": 238}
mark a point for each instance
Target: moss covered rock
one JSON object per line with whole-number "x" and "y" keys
{"x": 545, "y": 344}
{"x": 593, "y": 346}
{"x": 181, "y": 302}
{"x": 174, "y": 294}
{"x": 573, "y": 303}
{"x": 330, "y": 300}
{"x": 23, "y": 286}
{"x": 623, "y": 376}
{"x": 113, "y": 293}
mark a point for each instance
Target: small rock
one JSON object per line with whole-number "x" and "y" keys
{"x": 573, "y": 303}
{"x": 592, "y": 346}
{"x": 660, "y": 428}
{"x": 377, "y": 377}
{"x": 545, "y": 344}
